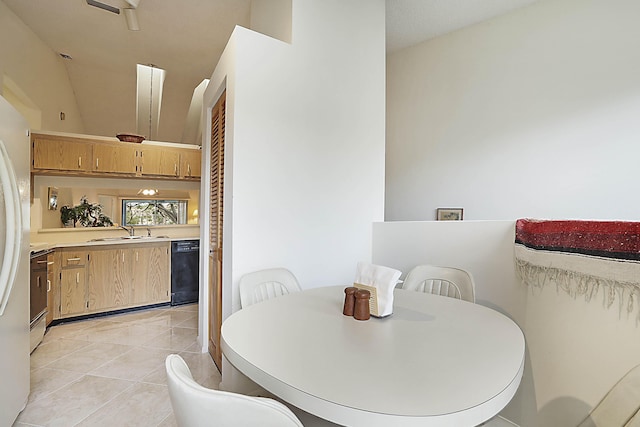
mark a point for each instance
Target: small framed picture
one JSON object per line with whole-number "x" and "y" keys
{"x": 449, "y": 214}
{"x": 53, "y": 198}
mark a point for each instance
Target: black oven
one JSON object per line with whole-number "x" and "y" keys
{"x": 38, "y": 286}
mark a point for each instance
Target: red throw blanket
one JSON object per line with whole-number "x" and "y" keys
{"x": 581, "y": 257}
{"x": 610, "y": 239}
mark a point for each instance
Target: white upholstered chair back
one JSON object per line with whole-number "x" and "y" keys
{"x": 445, "y": 281}
{"x": 262, "y": 285}
{"x": 196, "y": 406}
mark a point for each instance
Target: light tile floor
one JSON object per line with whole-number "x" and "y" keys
{"x": 110, "y": 370}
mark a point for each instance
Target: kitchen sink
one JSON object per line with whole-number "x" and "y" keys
{"x": 116, "y": 239}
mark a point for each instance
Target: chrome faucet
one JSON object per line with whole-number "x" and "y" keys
{"x": 130, "y": 230}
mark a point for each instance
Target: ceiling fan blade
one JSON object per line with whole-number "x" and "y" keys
{"x": 103, "y": 6}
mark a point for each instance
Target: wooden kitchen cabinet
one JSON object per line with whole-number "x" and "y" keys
{"x": 106, "y": 278}
{"x": 73, "y": 292}
{"x": 72, "y": 286}
{"x": 190, "y": 161}
{"x": 160, "y": 161}
{"x": 115, "y": 158}
{"x": 129, "y": 276}
{"x": 102, "y": 157}
{"x": 150, "y": 275}
{"x": 52, "y": 153}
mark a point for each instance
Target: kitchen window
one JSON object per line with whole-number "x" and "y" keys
{"x": 153, "y": 212}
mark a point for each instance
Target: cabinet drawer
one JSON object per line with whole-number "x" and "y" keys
{"x": 73, "y": 259}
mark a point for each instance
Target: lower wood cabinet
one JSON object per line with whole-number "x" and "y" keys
{"x": 71, "y": 297}
{"x": 151, "y": 277}
{"x": 108, "y": 284}
{"x": 107, "y": 278}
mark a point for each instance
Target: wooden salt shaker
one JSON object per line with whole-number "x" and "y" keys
{"x": 349, "y": 300}
{"x": 361, "y": 311}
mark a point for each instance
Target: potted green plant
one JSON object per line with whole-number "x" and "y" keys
{"x": 86, "y": 213}
{"x": 68, "y": 216}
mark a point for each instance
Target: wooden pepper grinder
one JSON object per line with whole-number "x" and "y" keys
{"x": 361, "y": 311}
{"x": 349, "y": 300}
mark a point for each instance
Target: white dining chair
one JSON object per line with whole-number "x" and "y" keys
{"x": 620, "y": 406}
{"x": 197, "y": 406}
{"x": 262, "y": 285}
{"x": 445, "y": 281}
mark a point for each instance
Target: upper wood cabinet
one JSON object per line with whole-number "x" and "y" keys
{"x": 115, "y": 158}
{"x": 190, "y": 163}
{"x": 160, "y": 161}
{"x": 59, "y": 154}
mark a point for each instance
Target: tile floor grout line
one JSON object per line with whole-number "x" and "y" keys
{"x": 67, "y": 339}
{"x": 104, "y": 404}
{"x": 59, "y": 388}
{"x": 173, "y": 330}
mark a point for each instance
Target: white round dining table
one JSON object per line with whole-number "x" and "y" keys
{"x": 436, "y": 361}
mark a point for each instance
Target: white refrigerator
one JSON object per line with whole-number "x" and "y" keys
{"x": 14, "y": 262}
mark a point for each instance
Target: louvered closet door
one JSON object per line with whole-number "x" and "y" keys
{"x": 216, "y": 208}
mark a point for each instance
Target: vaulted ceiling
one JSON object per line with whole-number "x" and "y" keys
{"x": 186, "y": 38}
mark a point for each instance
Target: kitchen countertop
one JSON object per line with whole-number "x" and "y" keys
{"x": 39, "y": 247}
{"x": 42, "y": 246}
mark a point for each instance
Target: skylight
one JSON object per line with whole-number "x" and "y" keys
{"x": 149, "y": 99}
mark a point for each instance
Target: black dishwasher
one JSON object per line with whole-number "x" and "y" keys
{"x": 185, "y": 271}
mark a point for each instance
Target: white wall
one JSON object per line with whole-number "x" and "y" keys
{"x": 308, "y": 168}
{"x": 39, "y": 72}
{"x": 576, "y": 350}
{"x": 534, "y": 113}
{"x": 484, "y": 248}
{"x": 305, "y": 143}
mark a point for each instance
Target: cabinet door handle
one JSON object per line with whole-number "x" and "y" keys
{"x": 97, "y": 162}
{"x": 123, "y": 257}
{"x": 48, "y": 285}
{"x": 38, "y": 281}
{"x": 79, "y": 161}
{"x": 175, "y": 169}
{"x": 136, "y": 256}
{"x": 78, "y": 277}
{"x": 45, "y": 262}
{"x": 189, "y": 169}
{"x": 73, "y": 259}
